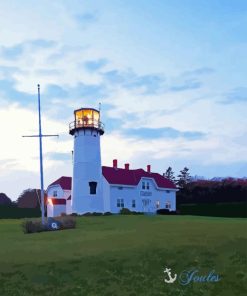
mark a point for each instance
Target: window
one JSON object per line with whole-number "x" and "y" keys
{"x": 120, "y": 203}
{"x": 55, "y": 193}
{"x": 167, "y": 191}
{"x": 157, "y": 203}
{"x": 168, "y": 205}
{"x": 92, "y": 186}
{"x": 143, "y": 185}
{"x": 120, "y": 188}
{"x": 147, "y": 185}
{"x": 133, "y": 203}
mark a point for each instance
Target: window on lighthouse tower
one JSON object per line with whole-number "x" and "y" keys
{"x": 92, "y": 186}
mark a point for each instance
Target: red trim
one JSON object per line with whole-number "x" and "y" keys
{"x": 57, "y": 201}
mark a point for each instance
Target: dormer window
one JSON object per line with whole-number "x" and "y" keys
{"x": 147, "y": 185}
{"x": 92, "y": 186}
{"x": 143, "y": 185}
{"x": 55, "y": 193}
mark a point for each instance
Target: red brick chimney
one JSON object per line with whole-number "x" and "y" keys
{"x": 149, "y": 168}
{"x": 127, "y": 166}
{"x": 115, "y": 163}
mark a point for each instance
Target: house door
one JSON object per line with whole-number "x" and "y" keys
{"x": 146, "y": 205}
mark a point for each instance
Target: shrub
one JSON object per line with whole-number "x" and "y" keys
{"x": 165, "y": 212}
{"x": 35, "y": 225}
{"x": 107, "y": 214}
{"x": 31, "y": 226}
{"x": 125, "y": 211}
{"x": 67, "y": 222}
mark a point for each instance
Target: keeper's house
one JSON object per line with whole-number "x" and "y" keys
{"x": 137, "y": 190}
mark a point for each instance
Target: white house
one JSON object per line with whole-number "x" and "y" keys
{"x": 138, "y": 190}
{"x": 59, "y": 197}
{"x": 96, "y": 188}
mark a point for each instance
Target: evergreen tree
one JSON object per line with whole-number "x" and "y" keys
{"x": 169, "y": 174}
{"x": 183, "y": 178}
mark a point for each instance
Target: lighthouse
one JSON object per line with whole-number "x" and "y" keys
{"x": 87, "y": 191}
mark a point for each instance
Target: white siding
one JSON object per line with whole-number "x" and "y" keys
{"x": 149, "y": 196}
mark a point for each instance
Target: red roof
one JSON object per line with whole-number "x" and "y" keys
{"x": 122, "y": 177}
{"x": 133, "y": 177}
{"x": 64, "y": 182}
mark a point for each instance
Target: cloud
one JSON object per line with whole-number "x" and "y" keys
{"x": 66, "y": 156}
{"x": 199, "y": 71}
{"x": 95, "y": 65}
{"x": 12, "y": 52}
{"x": 9, "y": 92}
{"x": 237, "y": 95}
{"x": 166, "y": 132}
{"x": 16, "y": 51}
{"x": 85, "y": 18}
{"x": 188, "y": 84}
{"x": 148, "y": 84}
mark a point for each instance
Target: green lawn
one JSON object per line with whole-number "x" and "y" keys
{"x": 124, "y": 255}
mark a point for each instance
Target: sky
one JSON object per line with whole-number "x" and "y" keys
{"x": 170, "y": 77}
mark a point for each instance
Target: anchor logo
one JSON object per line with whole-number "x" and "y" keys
{"x": 171, "y": 279}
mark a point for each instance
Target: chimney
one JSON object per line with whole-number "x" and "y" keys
{"x": 149, "y": 168}
{"x": 127, "y": 166}
{"x": 115, "y": 163}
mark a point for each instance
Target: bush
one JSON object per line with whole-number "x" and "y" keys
{"x": 125, "y": 211}
{"x": 107, "y": 214}
{"x": 67, "y": 222}
{"x": 35, "y": 225}
{"x": 165, "y": 212}
{"x": 31, "y": 226}
{"x": 93, "y": 214}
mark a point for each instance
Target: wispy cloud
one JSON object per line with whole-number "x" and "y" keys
{"x": 188, "y": 84}
{"x": 148, "y": 84}
{"x": 237, "y": 95}
{"x": 95, "y": 65}
{"x": 166, "y": 132}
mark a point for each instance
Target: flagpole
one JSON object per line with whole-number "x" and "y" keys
{"x": 41, "y": 162}
{"x": 40, "y": 136}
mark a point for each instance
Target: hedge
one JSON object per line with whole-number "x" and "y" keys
{"x": 13, "y": 212}
{"x": 238, "y": 210}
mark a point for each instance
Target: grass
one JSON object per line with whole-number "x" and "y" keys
{"x": 124, "y": 255}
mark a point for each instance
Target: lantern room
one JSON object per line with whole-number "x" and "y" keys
{"x": 86, "y": 118}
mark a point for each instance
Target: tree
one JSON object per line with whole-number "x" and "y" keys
{"x": 183, "y": 178}
{"x": 29, "y": 198}
{"x": 169, "y": 174}
{"x": 5, "y": 200}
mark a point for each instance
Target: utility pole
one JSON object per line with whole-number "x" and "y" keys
{"x": 40, "y": 136}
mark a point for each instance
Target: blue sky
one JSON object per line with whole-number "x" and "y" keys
{"x": 170, "y": 75}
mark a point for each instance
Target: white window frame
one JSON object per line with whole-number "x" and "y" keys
{"x": 120, "y": 203}
{"x": 168, "y": 205}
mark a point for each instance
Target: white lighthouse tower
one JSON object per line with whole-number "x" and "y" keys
{"x": 87, "y": 195}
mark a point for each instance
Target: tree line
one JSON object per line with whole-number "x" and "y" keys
{"x": 196, "y": 191}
